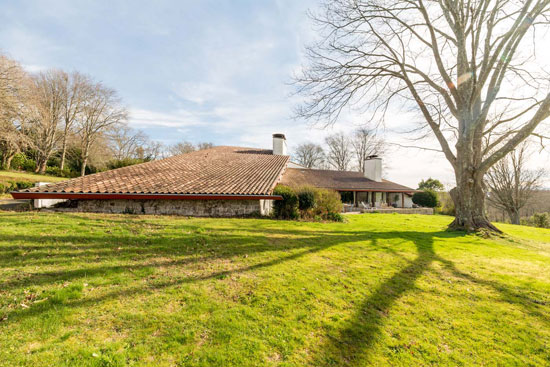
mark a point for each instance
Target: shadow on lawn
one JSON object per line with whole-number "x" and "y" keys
{"x": 182, "y": 244}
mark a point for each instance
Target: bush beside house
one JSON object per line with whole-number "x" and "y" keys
{"x": 426, "y": 198}
{"x": 307, "y": 202}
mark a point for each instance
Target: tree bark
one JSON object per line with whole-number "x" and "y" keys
{"x": 63, "y": 152}
{"x": 41, "y": 166}
{"x": 514, "y": 217}
{"x": 469, "y": 200}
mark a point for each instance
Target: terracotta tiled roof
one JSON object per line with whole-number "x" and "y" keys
{"x": 337, "y": 180}
{"x": 220, "y": 170}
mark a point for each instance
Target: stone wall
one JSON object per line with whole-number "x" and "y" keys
{"x": 195, "y": 208}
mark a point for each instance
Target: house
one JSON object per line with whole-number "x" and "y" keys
{"x": 221, "y": 181}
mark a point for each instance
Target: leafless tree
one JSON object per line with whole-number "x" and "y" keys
{"x": 468, "y": 68}
{"x": 76, "y": 89}
{"x": 339, "y": 152}
{"x": 47, "y": 104}
{"x": 511, "y": 185}
{"x": 181, "y": 148}
{"x": 310, "y": 155}
{"x": 126, "y": 142}
{"x": 204, "y": 145}
{"x": 14, "y": 84}
{"x": 102, "y": 111}
{"x": 188, "y": 147}
{"x": 366, "y": 143}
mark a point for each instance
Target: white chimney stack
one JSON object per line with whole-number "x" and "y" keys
{"x": 279, "y": 144}
{"x": 373, "y": 168}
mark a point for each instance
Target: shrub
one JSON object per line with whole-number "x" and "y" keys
{"x": 5, "y": 187}
{"x": 288, "y": 207}
{"x": 327, "y": 202}
{"x": 306, "y": 198}
{"x": 65, "y": 172}
{"x": 335, "y": 217}
{"x": 119, "y": 163}
{"x": 21, "y": 185}
{"x": 541, "y": 220}
{"x": 426, "y": 198}
{"x": 21, "y": 162}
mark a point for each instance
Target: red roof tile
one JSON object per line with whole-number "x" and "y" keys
{"x": 220, "y": 170}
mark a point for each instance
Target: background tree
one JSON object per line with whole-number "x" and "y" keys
{"x": 309, "y": 155}
{"x": 48, "y": 94}
{"x": 467, "y": 68}
{"x": 365, "y": 143}
{"x": 511, "y": 185}
{"x": 339, "y": 152}
{"x": 127, "y": 143}
{"x": 188, "y": 147}
{"x": 431, "y": 184}
{"x": 76, "y": 90}
{"x": 14, "y": 84}
{"x": 101, "y": 112}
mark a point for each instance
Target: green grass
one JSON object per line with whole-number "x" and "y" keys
{"x": 380, "y": 290}
{"x": 16, "y": 175}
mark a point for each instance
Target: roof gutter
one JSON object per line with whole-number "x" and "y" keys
{"x": 135, "y": 196}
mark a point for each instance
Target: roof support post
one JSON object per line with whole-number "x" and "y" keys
{"x": 355, "y": 199}
{"x": 402, "y": 199}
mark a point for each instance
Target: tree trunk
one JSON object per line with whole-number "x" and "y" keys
{"x": 514, "y": 216}
{"x": 7, "y": 163}
{"x": 41, "y": 166}
{"x": 63, "y": 153}
{"x": 469, "y": 200}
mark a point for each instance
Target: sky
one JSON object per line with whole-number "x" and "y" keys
{"x": 217, "y": 71}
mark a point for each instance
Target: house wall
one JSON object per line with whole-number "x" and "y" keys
{"x": 195, "y": 208}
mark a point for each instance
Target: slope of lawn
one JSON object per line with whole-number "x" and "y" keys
{"x": 380, "y": 290}
{"x": 24, "y": 176}
{"x": 27, "y": 176}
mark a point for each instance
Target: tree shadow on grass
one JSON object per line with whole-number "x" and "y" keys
{"x": 352, "y": 344}
{"x": 180, "y": 247}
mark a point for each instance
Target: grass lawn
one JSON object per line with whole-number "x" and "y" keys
{"x": 381, "y": 290}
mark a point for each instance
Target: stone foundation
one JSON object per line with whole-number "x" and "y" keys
{"x": 194, "y": 208}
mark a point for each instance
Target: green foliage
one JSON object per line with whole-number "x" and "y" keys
{"x": 539, "y": 220}
{"x": 306, "y": 198}
{"x": 287, "y": 208}
{"x": 431, "y": 184}
{"x": 327, "y": 202}
{"x": 66, "y": 172}
{"x": 426, "y": 198}
{"x": 9, "y": 185}
{"x": 23, "y": 163}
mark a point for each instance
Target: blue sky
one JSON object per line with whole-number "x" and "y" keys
{"x": 214, "y": 71}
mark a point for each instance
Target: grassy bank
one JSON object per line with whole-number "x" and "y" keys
{"x": 102, "y": 290}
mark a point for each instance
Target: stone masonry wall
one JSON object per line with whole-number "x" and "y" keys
{"x": 195, "y": 208}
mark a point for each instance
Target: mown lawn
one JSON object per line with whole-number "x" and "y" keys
{"x": 381, "y": 290}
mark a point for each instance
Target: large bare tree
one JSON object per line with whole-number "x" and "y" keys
{"x": 511, "y": 184}
{"x": 468, "y": 67}
{"x": 310, "y": 155}
{"x": 339, "y": 152}
{"x": 101, "y": 112}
